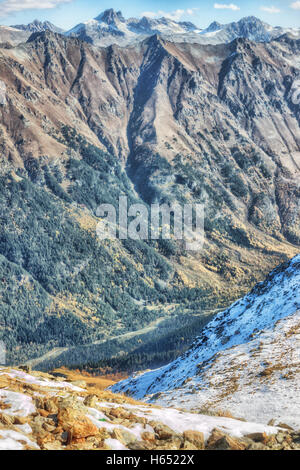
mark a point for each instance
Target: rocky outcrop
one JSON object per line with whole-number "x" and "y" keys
{"x": 186, "y": 122}
{"x": 38, "y": 26}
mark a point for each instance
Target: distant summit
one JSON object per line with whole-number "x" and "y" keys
{"x": 215, "y": 26}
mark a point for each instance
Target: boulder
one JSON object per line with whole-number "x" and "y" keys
{"x": 26, "y": 368}
{"x": 51, "y": 406}
{"x": 20, "y": 420}
{"x": 187, "y": 445}
{"x": 6, "y": 419}
{"x": 76, "y": 423}
{"x": 194, "y": 437}
{"x": 91, "y": 401}
{"x": 125, "y": 437}
{"x": 142, "y": 445}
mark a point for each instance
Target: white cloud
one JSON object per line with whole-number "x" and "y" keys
{"x": 226, "y": 6}
{"x": 295, "y": 5}
{"x": 172, "y": 15}
{"x": 12, "y": 6}
{"x": 271, "y": 9}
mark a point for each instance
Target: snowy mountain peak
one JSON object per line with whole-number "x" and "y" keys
{"x": 189, "y": 26}
{"x": 215, "y": 26}
{"x": 110, "y": 16}
{"x": 110, "y": 27}
{"x": 248, "y": 27}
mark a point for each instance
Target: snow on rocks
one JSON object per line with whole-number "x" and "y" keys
{"x": 3, "y": 100}
{"x": 246, "y": 360}
{"x": 42, "y": 381}
{"x": 180, "y": 421}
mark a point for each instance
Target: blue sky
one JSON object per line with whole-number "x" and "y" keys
{"x": 67, "y": 13}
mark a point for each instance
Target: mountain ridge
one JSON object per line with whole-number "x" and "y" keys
{"x": 221, "y": 369}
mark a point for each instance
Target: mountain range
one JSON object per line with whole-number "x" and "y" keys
{"x": 14, "y": 35}
{"x": 110, "y": 27}
{"x": 159, "y": 121}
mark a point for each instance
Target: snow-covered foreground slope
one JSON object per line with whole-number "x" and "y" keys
{"x": 246, "y": 360}
{"x": 39, "y": 411}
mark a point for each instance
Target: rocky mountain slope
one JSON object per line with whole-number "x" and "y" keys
{"x": 158, "y": 121}
{"x": 110, "y": 27}
{"x": 246, "y": 360}
{"x": 38, "y": 26}
{"x": 42, "y": 412}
